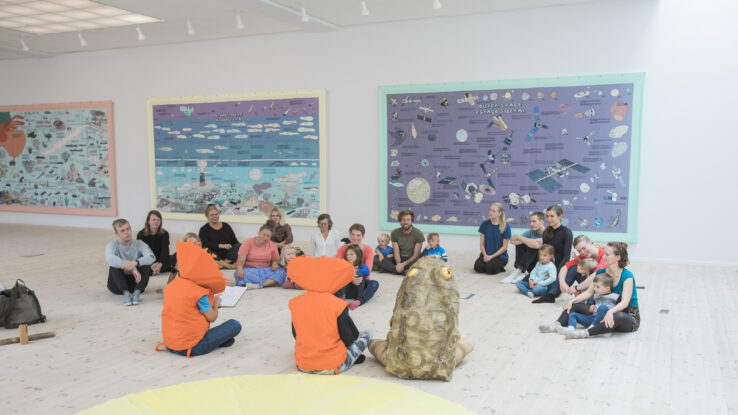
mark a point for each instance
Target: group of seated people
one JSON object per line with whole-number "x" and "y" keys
{"x": 603, "y": 290}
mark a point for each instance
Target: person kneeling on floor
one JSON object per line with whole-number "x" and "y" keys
{"x": 326, "y": 339}
{"x": 190, "y": 305}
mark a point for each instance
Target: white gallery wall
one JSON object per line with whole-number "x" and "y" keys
{"x": 689, "y": 155}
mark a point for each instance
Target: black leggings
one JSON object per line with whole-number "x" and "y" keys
{"x": 625, "y": 321}
{"x": 495, "y": 265}
{"x": 525, "y": 257}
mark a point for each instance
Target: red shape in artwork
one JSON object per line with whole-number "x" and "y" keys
{"x": 12, "y": 139}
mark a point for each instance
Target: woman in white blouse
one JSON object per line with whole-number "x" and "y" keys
{"x": 326, "y": 240}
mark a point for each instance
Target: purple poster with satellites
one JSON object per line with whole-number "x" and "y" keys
{"x": 450, "y": 150}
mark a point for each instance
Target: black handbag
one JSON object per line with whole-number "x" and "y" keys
{"x": 19, "y": 305}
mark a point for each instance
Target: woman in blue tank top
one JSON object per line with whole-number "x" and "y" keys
{"x": 624, "y": 317}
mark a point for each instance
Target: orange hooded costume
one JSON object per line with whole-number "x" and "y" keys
{"x": 318, "y": 345}
{"x": 182, "y": 323}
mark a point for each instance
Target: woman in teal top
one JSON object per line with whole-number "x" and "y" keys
{"x": 625, "y": 316}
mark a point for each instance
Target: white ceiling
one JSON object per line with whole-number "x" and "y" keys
{"x": 215, "y": 19}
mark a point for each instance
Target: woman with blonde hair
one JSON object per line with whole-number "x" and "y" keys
{"x": 494, "y": 236}
{"x": 282, "y": 234}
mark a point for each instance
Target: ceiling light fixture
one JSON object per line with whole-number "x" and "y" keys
{"x": 437, "y": 4}
{"x": 141, "y": 35}
{"x": 82, "y": 40}
{"x": 239, "y": 23}
{"x": 297, "y": 12}
{"x": 364, "y": 9}
{"x": 24, "y": 46}
{"x": 304, "y": 15}
{"x": 190, "y": 28}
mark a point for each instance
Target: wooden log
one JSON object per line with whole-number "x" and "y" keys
{"x": 23, "y": 330}
{"x": 31, "y": 337}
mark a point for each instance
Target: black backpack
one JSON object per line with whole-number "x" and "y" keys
{"x": 19, "y": 305}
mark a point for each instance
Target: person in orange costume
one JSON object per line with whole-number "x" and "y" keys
{"x": 326, "y": 339}
{"x": 190, "y": 305}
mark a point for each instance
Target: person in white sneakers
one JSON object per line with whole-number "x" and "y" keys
{"x": 526, "y": 248}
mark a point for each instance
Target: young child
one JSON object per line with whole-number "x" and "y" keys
{"x": 326, "y": 339}
{"x": 586, "y": 266}
{"x": 433, "y": 249}
{"x": 543, "y": 275}
{"x": 382, "y": 251}
{"x": 355, "y": 289}
{"x": 288, "y": 252}
{"x": 190, "y": 305}
{"x": 604, "y": 300}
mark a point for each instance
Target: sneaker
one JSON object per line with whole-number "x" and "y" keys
{"x": 520, "y": 277}
{"x": 545, "y": 298}
{"x": 549, "y": 328}
{"x": 136, "y": 300}
{"x": 564, "y": 330}
{"x": 228, "y": 343}
{"x": 127, "y": 298}
{"x": 530, "y": 294}
{"x": 510, "y": 278}
{"x": 252, "y": 286}
{"x": 577, "y": 334}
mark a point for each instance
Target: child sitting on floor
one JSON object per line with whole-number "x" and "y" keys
{"x": 382, "y": 251}
{"x": 190, "y": 305}
{"x": 543, "y": 275}
{"x": 355, "y": 289}
{"x": 288, "y": 252}
{"x": 604, "y": 300}
{"x": 433, "y": 249}
{"x": 326, "y": 339}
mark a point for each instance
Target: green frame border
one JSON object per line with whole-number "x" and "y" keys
{"x": 638, "y": 80}
{"x": 303, "y": 93}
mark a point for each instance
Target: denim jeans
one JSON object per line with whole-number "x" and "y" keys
{"x": 213, "y": 338}
{"x": 352, "y": 353}
{"x": 538, "y": 290}
{"x": 588, "y": 320}
{"x": 571, "y": 275}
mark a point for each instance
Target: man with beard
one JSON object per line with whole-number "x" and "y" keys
{"x": 407, "y": 242}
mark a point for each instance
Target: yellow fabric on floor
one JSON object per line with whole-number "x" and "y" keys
{"x": 281, "y": 394}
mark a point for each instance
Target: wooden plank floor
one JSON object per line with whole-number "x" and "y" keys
{"x": 683, "y": 361}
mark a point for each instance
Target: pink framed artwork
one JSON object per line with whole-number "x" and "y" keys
{"x": 58, "y": 158}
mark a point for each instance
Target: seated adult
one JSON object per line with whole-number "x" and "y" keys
{"x": 258, "y": 262}
{"x": 129, "y": 262}
{"x": 190, "y": 237}
{"x": 407, "y": 243}
{"x": 625, "y": 316}
{"x": 157, "y": 238}
{"x": 569, "y": 272}
{"x": 369, "y": 286}
{"x": 325, "y": 239}
{"x": 526, "y": 248}
{"x": 560, "y": 237}
{"x": 219, "y": 238}
{"x": 281, "y": 232}
{"x": 494, "y": 235}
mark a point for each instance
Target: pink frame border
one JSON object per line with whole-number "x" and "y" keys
{"x": 113, "y": 211}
